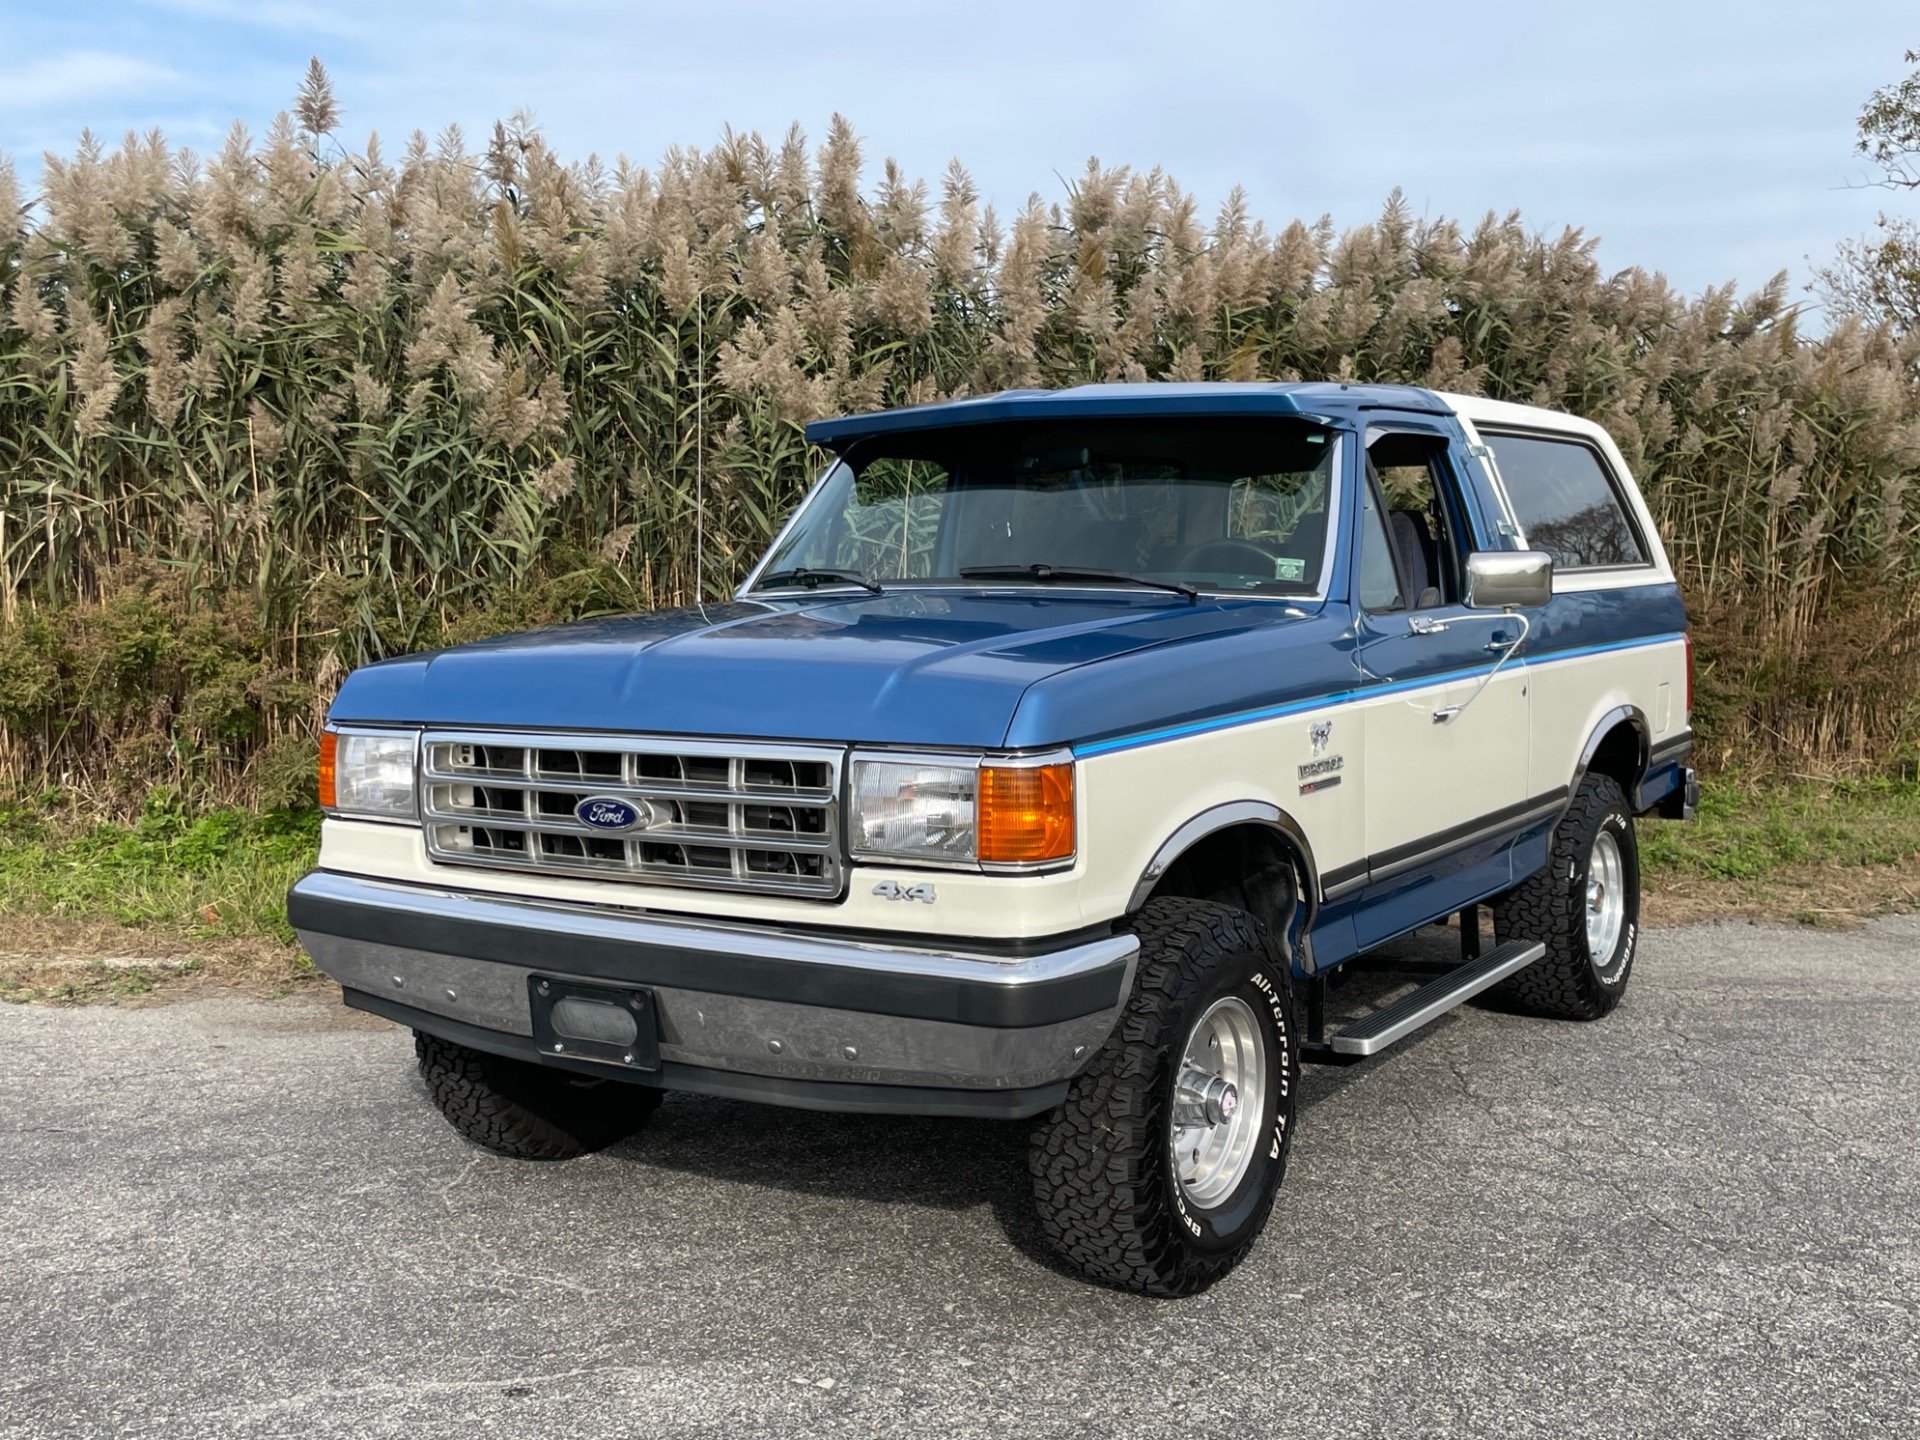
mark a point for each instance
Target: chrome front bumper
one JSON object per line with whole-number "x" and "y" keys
{"x": 832, "y": 1022}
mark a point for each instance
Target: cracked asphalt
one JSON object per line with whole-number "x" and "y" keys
{"x": 1700, "y": 1217}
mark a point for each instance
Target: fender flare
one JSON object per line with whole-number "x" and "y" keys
{"x": 1225, "y": 816}
{"x": 1630, "y": 714}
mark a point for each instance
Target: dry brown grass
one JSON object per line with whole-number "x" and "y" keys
{"x": 1828, "y": 896}
{"x": 63, "y": 961}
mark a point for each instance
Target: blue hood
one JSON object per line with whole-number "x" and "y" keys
{"x": 917, "y": 668}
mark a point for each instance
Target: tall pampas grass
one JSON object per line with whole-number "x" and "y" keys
{"x": 354, "y": 402}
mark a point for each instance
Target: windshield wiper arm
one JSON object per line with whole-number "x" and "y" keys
{"x": 813, "y": 576}
{"x": 1069, "y": 573}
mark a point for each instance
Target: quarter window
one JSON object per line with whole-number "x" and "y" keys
{"x": 1565, "y": 502}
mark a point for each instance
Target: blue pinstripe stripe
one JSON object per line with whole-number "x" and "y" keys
{"x": 1349, "y": 697}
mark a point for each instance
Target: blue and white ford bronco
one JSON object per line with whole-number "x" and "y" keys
{"x": 1058, "y": 751}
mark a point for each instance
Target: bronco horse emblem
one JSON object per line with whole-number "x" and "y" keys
{"x": 1321, "y": 734}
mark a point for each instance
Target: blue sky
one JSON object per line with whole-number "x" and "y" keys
{"x": 1709, "y": 141}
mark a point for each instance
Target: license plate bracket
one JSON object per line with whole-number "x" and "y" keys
{"x": 615, "y": 1024}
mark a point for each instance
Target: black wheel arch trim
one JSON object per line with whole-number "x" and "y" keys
{"x": 1671, "y": 748}
{"x": 1631, "y": 715}
{"x": 1224, "y": 817}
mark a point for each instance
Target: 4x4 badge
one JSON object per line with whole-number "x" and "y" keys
{"x": 894, "y": 890}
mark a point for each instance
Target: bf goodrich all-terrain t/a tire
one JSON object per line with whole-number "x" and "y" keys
{"x": 1158, "y": 1171}
{"x": 1584, "y": 905}
{"x": 528, "y": 1111}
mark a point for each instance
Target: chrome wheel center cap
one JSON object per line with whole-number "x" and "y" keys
{"x": 1206, "y": 1099}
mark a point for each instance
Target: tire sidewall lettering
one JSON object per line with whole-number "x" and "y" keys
{"x": 1612, "y": 972}
{"x": 1201, "y": 1224}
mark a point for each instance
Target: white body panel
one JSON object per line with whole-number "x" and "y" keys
{"x": 1572, "y": 697}
{"x": 1424, "y": 776}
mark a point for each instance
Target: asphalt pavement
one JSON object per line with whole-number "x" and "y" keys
{"x": 1700, "y": 1217}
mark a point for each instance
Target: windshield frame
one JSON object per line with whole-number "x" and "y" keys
{"x": 1338, "y": 492}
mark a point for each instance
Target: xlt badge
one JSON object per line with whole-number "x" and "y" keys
{"x": 1321, "y": 774}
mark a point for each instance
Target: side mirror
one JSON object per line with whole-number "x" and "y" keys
{"x": 1509, "y": 579}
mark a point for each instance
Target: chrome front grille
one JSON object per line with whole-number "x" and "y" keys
{"x": 732, "y": 816}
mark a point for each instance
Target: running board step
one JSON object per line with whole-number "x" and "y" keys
{"x": 1375, "y": 1032}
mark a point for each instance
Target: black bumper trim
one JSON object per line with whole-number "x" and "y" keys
{"x": 833, "y": 1095}
{"x": 1670, "y": 749}
{"x": 599, "y": 957}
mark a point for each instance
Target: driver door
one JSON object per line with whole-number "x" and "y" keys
{"x": 1446, "y": 749}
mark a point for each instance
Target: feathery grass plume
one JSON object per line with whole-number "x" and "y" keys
{"x": 766, "y": 278}
{"x": 29, "y": 313}
{"x": 12, "y": 208}
{"x": 249, "y": 289}
{"x": 95, "y": 380}
{"x": 161, "y": 341}
{"x": 956, "y": 246}
{"x": 315, "y": 106}
{"x": 265, "y": 433}
{"x": 837, "y": 189}
{"x": 554, "y": 480}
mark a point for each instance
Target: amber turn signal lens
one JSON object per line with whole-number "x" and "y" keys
{"x": 329, "y": 745}
{"x": 1025, "y": 814}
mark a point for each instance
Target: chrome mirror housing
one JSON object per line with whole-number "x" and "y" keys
{"x": 1509, "y": 579}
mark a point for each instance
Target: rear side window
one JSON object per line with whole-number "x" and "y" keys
{"x": 1565, "y": 502}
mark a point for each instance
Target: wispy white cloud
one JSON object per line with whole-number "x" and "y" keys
{"x": 287, "y": 15}
{"x": 81, "y": 75}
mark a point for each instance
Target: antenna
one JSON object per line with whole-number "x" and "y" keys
{"x": 699, "y": 450}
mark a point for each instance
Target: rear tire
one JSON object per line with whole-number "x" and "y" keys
{"x": 528, "y": 1111}
{"x": 1584, "y": 905}
{"x": 1113, "y": 1198}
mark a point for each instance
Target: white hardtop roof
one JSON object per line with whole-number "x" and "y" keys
{"x": 1480, "y": 410}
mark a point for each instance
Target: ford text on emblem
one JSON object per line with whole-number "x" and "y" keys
{"x": 603, "y": 812}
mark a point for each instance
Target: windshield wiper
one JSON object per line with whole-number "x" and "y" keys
{"x": 813, "y": 576}
{"x": 1046, "y": 574}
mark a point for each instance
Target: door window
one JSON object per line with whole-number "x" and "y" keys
{"x": 1421, "y": 520}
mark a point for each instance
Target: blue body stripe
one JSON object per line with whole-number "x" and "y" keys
{"x": 1348, "y": 697}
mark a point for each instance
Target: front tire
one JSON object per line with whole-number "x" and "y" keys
{"x": 1158, "y": 1171}
{"x": 1584, "y": 904}
{"x": 528, "y": 1111}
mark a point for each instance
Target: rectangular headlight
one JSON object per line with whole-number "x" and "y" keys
{"x": 913, "y": 810}
{"x": 1013, "y": 812}
{"x": 368, "y": 773}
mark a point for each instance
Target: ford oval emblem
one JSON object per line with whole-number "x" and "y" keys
{"x": 603, "y": 812}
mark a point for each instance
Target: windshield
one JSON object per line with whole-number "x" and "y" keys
{"x": 1222, "y": 504}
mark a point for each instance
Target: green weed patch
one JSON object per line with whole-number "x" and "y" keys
{"x": 220, "y": 874}
{"x": 1748, "y": 833}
